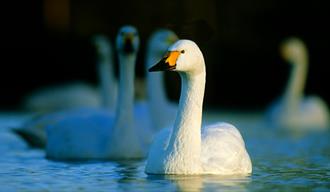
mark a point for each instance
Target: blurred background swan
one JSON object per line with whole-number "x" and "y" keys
{"x": 123, "y": 135}
{"x": 162, "y": 111}
{"x": 80, "y": 94}
{"x": 106, "y": 72}
{"x": 187, "y": 148}
{"x": 69, "y": 100}
{"x": 61, "y": 97}
{"x": 294, "y": 110}
{"x": 156, "y": 103}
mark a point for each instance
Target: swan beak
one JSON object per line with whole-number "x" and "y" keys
{"x": 128, "y": 44}
{"x": 167, "y": 63}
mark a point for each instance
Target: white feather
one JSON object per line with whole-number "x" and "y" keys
{"x": 187, "y": 148}
{"x": 293, "y": 110}
{"x": 102, "y": 135}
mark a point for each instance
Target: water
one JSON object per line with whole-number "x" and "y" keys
{"x": 281, "y": 162}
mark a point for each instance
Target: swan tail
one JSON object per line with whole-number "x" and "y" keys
{"x": 31, "y": 139}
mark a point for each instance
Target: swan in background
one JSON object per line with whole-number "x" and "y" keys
{"x": 79, "y": 94}
{"x": 103, "y": 135}
{"x": 187, "y": 149}
{"x": 33, "y": 130}
{"x": 60, "y": 97}
{"x": 157, "y": 102}
{"x": 293, "y": 110}
{"x": 108, "y": 82}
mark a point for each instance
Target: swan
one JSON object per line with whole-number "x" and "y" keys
{"x": 103, "y": 135}
{"x": 186, "y": 148}
{"x": 33, "y": 130}
{"x": 293, "y": 110}
{"x": 79, "y": 94}
{"x": 157, "y": 101}
{"x": 60, "y": 97}
{"x": 108, "y": 82}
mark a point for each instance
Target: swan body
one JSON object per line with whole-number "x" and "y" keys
{"x": 61, "y": 97}
{"x": 93, "y": 136}
{"x": 293, "y": 110}
{"x": 80, "y": 94}
{"x": 157, "y": 102}
{"x": 187, "y": 148}
{"x": 104, "y": 136}
{"x": 33, "y": 130}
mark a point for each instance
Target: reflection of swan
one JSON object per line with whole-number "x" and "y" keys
{"x": 79, "y": 94}
{"x": 217, "y": 149}
{"x": 33, "y": 131}
{"x": 209, "y": 182}
{"x": 157, "y": 99}
{"x": 294, "y": 110}
{"x": 102, "y": 135}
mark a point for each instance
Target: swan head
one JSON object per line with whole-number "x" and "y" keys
{"x": 127, "y": 41}
{"x": 293, "y": 50}
{"x": 102, "y": 45}
{"x": 160, "y": 40}
{"x": 183, "y": 56}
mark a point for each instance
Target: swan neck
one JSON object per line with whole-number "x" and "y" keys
{"x": 124, "y": 111}
{"x": 186, "y": 135}
{"x": 295, "y": 87}
{"x": 155, "y": 87}
{"x": 124, "y": 141}
{"x": 107, "y": 83}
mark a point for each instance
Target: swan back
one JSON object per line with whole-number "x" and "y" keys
{"x": 62, "y": 97}
{"x": 311, "y": 114}
{"x": 222, "y": 142}
{"x": 80, "y": 136}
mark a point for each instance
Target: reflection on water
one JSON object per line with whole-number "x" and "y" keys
{"x": 281, "y": 161}
{"x": 205, "y": 182}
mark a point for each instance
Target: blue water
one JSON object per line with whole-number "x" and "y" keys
{"x": 281, "y": 162}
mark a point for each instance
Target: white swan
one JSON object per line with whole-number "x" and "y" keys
{"x": 108, "y": 82}
{"x": 33, "y": 130}
{"x": 186, "y": 149}
{"x": 157, "y": 102}
{"x": 79, "y": 94}
{"x": 293, "y": 110}
{"x": 102, "y": 135}
{"x": 60, "y": 97}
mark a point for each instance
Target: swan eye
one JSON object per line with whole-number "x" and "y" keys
{"x": 182, "y": 51}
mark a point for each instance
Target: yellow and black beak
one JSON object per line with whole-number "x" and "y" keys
{"x": 167, "y": 63}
